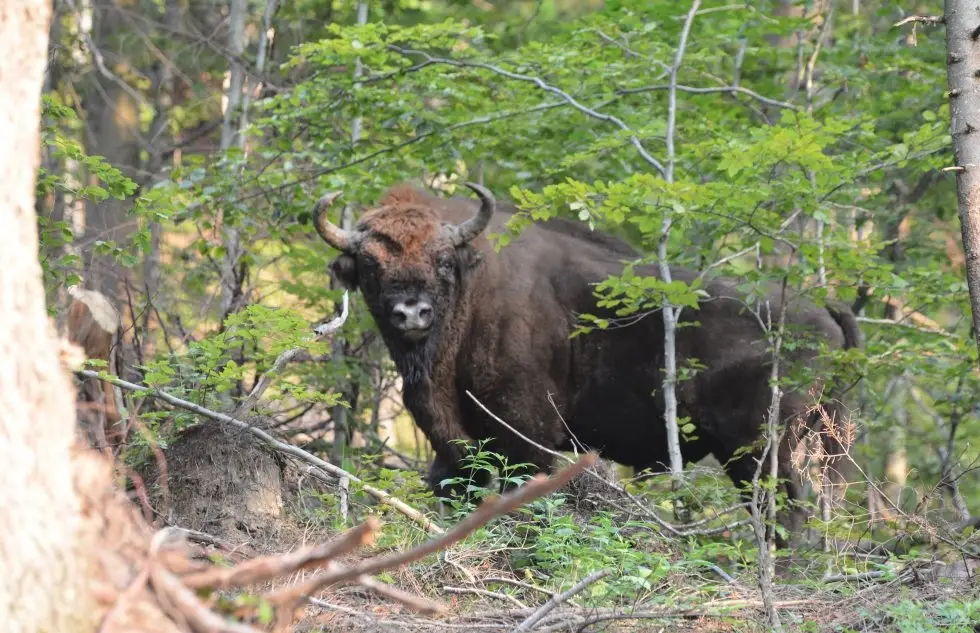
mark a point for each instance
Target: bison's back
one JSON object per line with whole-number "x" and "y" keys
{"x": 607, "y": 384}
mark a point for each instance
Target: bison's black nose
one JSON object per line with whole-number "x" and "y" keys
{"x": 411, "y": 314}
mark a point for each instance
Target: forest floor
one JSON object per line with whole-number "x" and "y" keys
{"x": 578, "y": 560}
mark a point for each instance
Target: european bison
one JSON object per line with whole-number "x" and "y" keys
{"x": 457, "y": 316}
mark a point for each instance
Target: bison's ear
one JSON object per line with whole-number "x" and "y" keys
{"x": 468, "y": 258}
{"x": 344, "y": 268}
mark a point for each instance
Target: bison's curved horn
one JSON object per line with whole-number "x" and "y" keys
{"x": 463, "y": 233}
{"x": 345, "y": 241}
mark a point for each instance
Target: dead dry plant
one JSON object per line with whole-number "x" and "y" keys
{"x": 154, "y": 571}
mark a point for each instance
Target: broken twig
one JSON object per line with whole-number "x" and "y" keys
{"x": 549, "y": 606}
{"x": 289, "y": 449}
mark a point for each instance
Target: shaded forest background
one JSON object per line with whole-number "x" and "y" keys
{"x": 185, "y": 143}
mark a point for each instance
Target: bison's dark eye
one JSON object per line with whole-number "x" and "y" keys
{"x": 445, "y": 264}
{"x": 368, "y": 263}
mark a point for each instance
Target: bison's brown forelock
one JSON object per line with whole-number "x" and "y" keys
{"x": 349, "y": 241}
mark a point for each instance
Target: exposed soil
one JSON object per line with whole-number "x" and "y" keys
{"x": 226, "y": 483}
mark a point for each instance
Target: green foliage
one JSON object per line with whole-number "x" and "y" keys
{"x": 60, "y": 266}
{"x": 457, "y": 91}
{"x": 916, "y": 616}
{"x": 480, "y": 460}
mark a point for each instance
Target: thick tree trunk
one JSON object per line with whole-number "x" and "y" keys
{"x": 67, "y": 541}
{"x": 42, "y": 587}
{"x": 963, "y": 68}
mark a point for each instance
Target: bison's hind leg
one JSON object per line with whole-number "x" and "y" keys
{"x": 742, "y": 470}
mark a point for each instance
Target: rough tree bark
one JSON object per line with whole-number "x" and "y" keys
{"x": 963, "y": 76}
{"x": 65, "y": 535}
{"x": 38, "y": 515}
{"x": 43, "y": 587}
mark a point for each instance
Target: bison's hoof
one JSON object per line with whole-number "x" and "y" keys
{"x": 457, "y": 484}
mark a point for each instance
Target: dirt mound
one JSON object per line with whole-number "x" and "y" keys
{"x": 226, "y": 483}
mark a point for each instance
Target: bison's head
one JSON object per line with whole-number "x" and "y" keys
{"x": 408, "y": 263}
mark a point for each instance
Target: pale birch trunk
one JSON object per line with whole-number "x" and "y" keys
{"x": 231, "y": 273}
{"x": 43, "y": 584}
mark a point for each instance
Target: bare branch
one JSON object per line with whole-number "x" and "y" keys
{"x": 480, "y": 120}
{"x": 717, "y": 609}
{"x": 181, "y": 603}
{"x": 868, "y": 575}
{"x": 904, "y": 325}
{"x": 418, "y": 603}
{"x": 288, "y": 449}
{"x": 100, "y": 60}
{"x": 715, "y": 90}
{"x": 656, "y": 164}
{"x": 727, "y": 258}
{"x": 549, "y": 606}
{"x": 523, "y": 585}
{"x": 266, "y": 568}
{"x": 487, "y": 593}
{"x": 672, "y": 90}
{"x": 931, "y": 20}
{"x": 623, "y": 47}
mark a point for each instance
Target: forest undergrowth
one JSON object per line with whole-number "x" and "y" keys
{"x": 251, "y": 407}
{"x": 594, "y": 556}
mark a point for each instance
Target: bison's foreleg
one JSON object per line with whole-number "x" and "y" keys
{"x": 448, "y": 464}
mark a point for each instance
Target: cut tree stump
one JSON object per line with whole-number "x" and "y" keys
{"x": 92, "y": 324}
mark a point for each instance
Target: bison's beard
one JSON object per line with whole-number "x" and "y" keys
{"x": 414, "y": 359}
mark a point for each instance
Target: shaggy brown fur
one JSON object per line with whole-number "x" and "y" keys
{"x": 501, "y": 331}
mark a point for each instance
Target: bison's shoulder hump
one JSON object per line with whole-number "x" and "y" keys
{"x": 580, "y": 232}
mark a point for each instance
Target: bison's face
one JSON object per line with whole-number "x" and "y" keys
{"x": 408, "y": 299}
{"x": 408, "y": 266}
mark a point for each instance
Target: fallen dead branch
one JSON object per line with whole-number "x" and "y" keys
{"x": 538, "y": 486}
{"x": 908, "y": 326}
{"x": 288, "y": 449}
{"x": 931, "y": 20}
{"x": 550, "y": 606}
{"x": 259, "y": 569}
{"x": 182, "y": 587}
{"x": 487, "y": 594}
{"x": 567, "y": 618}
{"x": 518, "y": 583}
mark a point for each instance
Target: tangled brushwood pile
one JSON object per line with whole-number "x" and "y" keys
{"x": 157, "y": 571}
